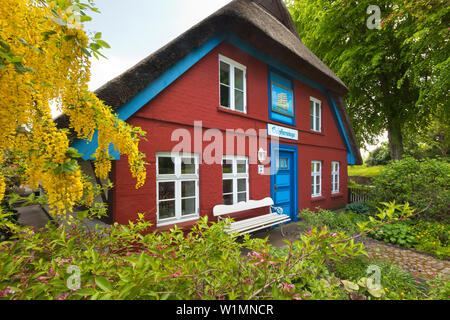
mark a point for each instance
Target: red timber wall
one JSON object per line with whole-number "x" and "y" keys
{"x": 195, "y": 97}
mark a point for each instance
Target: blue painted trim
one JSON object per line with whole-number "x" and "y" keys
{"x": 350, "y": 156}
{"x": 294, "y": 150}
{"x": 142, "y": 98}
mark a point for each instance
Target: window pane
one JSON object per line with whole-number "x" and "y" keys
{"x": 187, "y": 166}
{"x": 227, "y": 166}
{"x": 188, "y": 189}
{"x": 239, "y": 79}
{"x": 242, "y": 185}
{"x": 167, "y": 209}
{"x": 317, "y": 189}
{"x": 166, "y": 190}
{"x": 224, "y": 73}
{"x": 224, "y": 96}
{"x": 311, "y": 112}
{"x": 187, "y": 206}
{"x": 238, "y": 100}
{"x": 166, "y": 165}
{"x": 241, "y": 166}
{"x": 228, "y": 199}
{"x": 242, "y": 196}
{"x": 317, "y": 128}
{"x": 317, "y": 179}
{"x": 227, "y": 186}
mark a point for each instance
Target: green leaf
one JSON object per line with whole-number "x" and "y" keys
{"x": 85, "y": 18}
{"x": 98, "y": 35}
{"x": 377, "y": 293}
{"x": 86, "y": 52}
{"x": 350, "y": 286}
{"x": 21, "y": 69}
{"x": 104, "y": 284}
{"x": 103, "y": 44}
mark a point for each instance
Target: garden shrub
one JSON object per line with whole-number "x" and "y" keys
{"x": 416, "y": 182}
{"x": 432, "y": 237}
{"x": 336, "y": 222}
{"x": 358, "y": 207}
{"x": 11, "y": 215}
{"x": 128, "y": 262}
{"x": 396, "y": 233}
{"x": 396, "y": 282}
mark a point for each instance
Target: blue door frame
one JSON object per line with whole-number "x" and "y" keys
{"x": 274, "y": 147}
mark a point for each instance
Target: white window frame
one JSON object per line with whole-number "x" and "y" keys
{"x": 177, "y": 178}
{"x": 317, "y": 103}
{"x": 235, "y": 176}
{"x": 335, "y": 167}
{"x": 233, "y": 64}
{"x": 314, "y": 174}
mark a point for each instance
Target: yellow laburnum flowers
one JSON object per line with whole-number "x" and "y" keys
{"x": 43, "y": 62}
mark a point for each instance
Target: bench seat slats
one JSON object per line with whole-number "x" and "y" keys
{"x": 257, "y": 223}
{"x": 251, "y": 224}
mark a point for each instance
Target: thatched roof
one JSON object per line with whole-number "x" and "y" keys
{"x": 264, "y": 24}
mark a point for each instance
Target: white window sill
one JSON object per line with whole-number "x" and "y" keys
{"x": 175, "y": 221}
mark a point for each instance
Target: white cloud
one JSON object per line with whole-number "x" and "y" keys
{"x": 104, "y": 70}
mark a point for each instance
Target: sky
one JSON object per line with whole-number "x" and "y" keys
{"x": 136, "y": 28}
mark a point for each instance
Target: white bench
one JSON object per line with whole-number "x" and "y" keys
{"x": 255, "y": 223}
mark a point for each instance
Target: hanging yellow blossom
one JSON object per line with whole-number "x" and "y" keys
{"x": 44, "y": 60}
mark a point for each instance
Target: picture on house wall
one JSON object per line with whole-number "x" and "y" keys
{"x": 282, "y": 100}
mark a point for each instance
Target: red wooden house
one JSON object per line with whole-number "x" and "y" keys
{"x": 243, "y": 70}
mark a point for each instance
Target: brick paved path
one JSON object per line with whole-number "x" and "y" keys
{"x": 423, "y": 265}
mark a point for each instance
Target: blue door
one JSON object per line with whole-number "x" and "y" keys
{"x": 283, "y": 184}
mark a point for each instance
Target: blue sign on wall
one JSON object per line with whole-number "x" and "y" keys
{"x": 281, "y": 97}
{"x": 282, "y": 100}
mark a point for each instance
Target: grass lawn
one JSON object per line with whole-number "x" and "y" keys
{"x": 364, "y": 170}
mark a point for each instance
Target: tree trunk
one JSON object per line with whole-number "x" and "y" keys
{"x": 395, "y": 140}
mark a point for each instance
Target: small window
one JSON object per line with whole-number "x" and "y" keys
{"x": 315, "y": 114}
{"x": 235, "y": 179}
{"x": 316, "y": 178}
{"x": 232, "y": 85}
{"x": 335, "y": 177}
{"x": 177, "y": 187}
{"x": 283, "y": 164}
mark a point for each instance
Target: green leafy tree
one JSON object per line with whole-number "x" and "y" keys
{"x": 398, "y": 74}
{"x": 379, "y": 156}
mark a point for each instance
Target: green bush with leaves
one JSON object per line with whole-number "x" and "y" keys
{"x": 432, "y": 237}
{"x": 396, "y": 233}
{"x": 418, "y": 183}
{"x": 128, "y": 262}
{"x": 336, "y": 222}
{"x": 12, "y": 216}
{"x": 380, "y": 156}
{"x": 395, "y": 282}
{"x": 358, "y": 207}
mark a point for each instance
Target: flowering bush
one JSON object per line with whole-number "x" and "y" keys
{"x": 127, "y": 262}
{"x": 44, "y": 60}
{"x": 432, "y": 237}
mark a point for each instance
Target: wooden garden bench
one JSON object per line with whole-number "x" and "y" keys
{"x": 254, "y": 223}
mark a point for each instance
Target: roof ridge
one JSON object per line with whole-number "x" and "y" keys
{"x": 276, "y": 19}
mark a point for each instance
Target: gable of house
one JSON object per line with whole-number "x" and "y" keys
{"x": 247, "y": 25}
